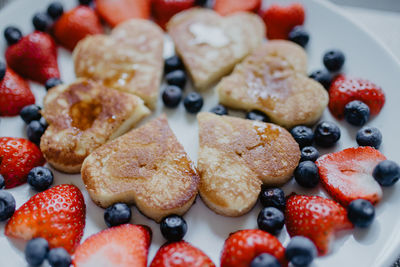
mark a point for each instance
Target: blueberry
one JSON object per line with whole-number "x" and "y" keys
{"x": 326, "y": 134}
{"x": 323, "y": 77}
{"x": 386, "y": 173}
{"x": 309, "y": 153}
{"x": 43, "y": 122}
{"x": 219, "y": 110}
{"x": 271, "y": 220}
{"x": 55, "y": 10}
{"x": 85, "y": 2}
{"x": 306, "y": 174}
{"x": 256, "y": 115}
{"x": 58, "y": 257}
{"x": 36, "y": 251}
{"x": 7, "y": 205}
{"x": 173, "y": 228}
{"x": 2, "y": 182}
{"x": 361, "y": 213}
{"x": 300, "y": 251}
{"x": 30, "y": 113}
{"x": 12, "y": 35}
{"x": 41, "y": 21}
{"x": 334, "y": 60}
{"x": 369, "y": 136}
{"x": 40, "y": 178}
{"x": 265, "y": 260}
{"x": 200, "y": 2}
{"x": 299, "y": 35}
{"x": 173, "y": 63}
{"x": 34, "y": 131}
{"x": 3, "y": 69}
{"x": 273, "y": 197}
{"x": 177, "y": 78}
{"x": 193, "y": 102}
{"x": 356, "y": 113}
{"x": 303, "y": 135}
{"x": 52, "y": 82}
{"x": 117, "y": 214}
{"x": 171, "y": 96}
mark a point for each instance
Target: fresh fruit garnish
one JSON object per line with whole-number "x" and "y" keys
{"x": 14, "y": 94}
{"x": 52, "y": 82}
{"x": 315, "y": 217}
{"x": 306, "y": 174}
{"x": 36, "y": 251}
{"x": 59, "y": 257}
{"x": 272, "y": 197}
{"x": 303, "y": 135}
{"x": 300, "y": 251}
{"x": 309, "y": 153}
{"x": 55, "y": 10}
{"x": 323, "y": 77}
{"x": 40, "y": 178}
{"x": 173, "y": 63}
{"x": 18, "y": 156}
{"x": 163, "y": 10}
{"x": 193, "y": 102}
{"x": 173, "y": 228}
{"x": 171, "y": 96}
{"x": 117, "y": 11}
{"x": 326, "y": 134}
{"x": 117, "y": 214}
{"x": 219, "y": 110}
{"x": 177, "y": 78}
{"x": 387, "y": 173}
{"x": 41, "y": 21}
{"x": 280, "y": 20}
{"x": 57, "y": 215}
{"x": 361, "y": 213}
{"x": 12, "y": 35}
{"x": 30, "y": 113}
{"x": 299, "y": 36}
{"x": 347, "y": 175}
{"x": 270, "y": 220}
{"x": 243, "y": 246}
{"x": 180, "y": 254}
{"x": 124, "y": 245}
{"x": 226, "y": 7}
{"x": 369, "y": 136}
{"x": 7, "y": 205}
{"x": 34, "y": 57}
{"x": 343, "y": 90}
{"x": 34, "y": 131}
{"x": 265, "y": 259}
{"x": 256, "y": 115}
{"x": 334, "y": 60}
{"x": 356, "y": 113}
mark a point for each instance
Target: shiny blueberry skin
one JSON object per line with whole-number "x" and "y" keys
{"x": 303, "y": 135}
{"x": 36, "y": 251}
{"x": 40, "y": 178}
{"x": 309, "y": 153}
{"x": 326, "y": 134}
{"x": 7, "y": 205}
{"x": 173, "y": 63}
{"x": 34, "y": 131}
{"x": 43, "y": 122}
{"x": 323, "y": 77}
{"x": 334, "y": 60}
{"x": 173, "y": 228}
{"x": 55, "y": 10}
{"x": 2, "y": 182}
{"x": 271, "y": 220}
{"x": 265, "y": 260}
{"x": 356, "y": 113}
{"x": 219, "y": 110}
{"x": 306, "y": 174}
{"x": 369, "y": 136}
{"x": 85, "y": 2}
{"x": 273, "y": 197}
{"x": 256, "y": 115}
{"x": 200, "y": 2}
{"x": 386, "y": 173}
{"x": 30, "y": 113}
{"x": 299, "y": 36}
{"x": 59, "y": 257}
{"x": 117, "y": 214}
{"x": 177, "y": 78}
{"x": 300, "y": 251}
{"x": 193, "y": 102}
{"x": 12, "y": 35}
{"x": 52, "y": 82}
{"x": 41, "y": 21}
{"x": 3, "y": 69}
{"x": 361, "y": 213}
{"x": 172, "y": 96}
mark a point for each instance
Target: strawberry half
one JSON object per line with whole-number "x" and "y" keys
{"x": 344, "y": 90}
{"x": 163, "y": 10}
{"x": 34, "y": 57}
{"x": 347, "y": 175}
{"x": 17, "y": 157}
{"x": 14, "y": 94}
{"x": 315, "y": 217}
{"x": 243, "y": 246}
{"x": 181, "y": 254}
{"x": 226, "y": 7}
{"x": 57, "y": 215}
{"x": 124, "y": 245}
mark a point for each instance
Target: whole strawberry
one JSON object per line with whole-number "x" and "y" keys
{"x": 315, "y": 217}
{"x": 57, "y": 215}
{"x": 163, "y": 10}
{"x": 14, "y": 94}
{"x": 17, "y": 157}
{"x": 34, "y": 57}
{"x": 344, "y": 90}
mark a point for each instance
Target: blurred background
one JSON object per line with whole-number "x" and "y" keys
{"x": 389, "y": 5}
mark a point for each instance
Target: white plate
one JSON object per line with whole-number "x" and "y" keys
{"x": 366, "y": 57}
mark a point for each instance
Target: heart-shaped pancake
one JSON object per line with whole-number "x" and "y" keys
{"x": 130, "y": 59}
{"x": 273, "y": 79}
{"x": 210, "y": 45}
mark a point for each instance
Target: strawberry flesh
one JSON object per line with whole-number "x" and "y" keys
{"x": 226, "y": 7}
{"x": 163, "y": 10}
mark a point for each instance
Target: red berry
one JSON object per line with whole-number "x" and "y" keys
{"x": 226, "y": 7}
{"x": 163, "y": 10}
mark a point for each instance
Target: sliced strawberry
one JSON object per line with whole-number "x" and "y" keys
{"x": 14, "y": 94}
{"x": 117, "y": 11}
{"x": 344, "y": 90}
{"x": 57, "y": 215}
{"x": 34, "y": 57}
{"x": 163, "y": 10}
{"x": 124, "y": 245}
{"x": 75, "y": 25}
{"x": 17, "y": 157}
{"x": 181, "y": 254}
{"x": 347, "y": 175}
{"x": 226, "y": 7}
{"x": 315, "y": 217}
{"x": 243, "y": 246}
